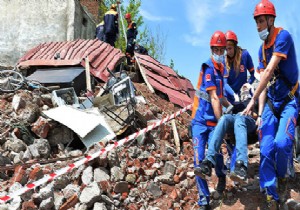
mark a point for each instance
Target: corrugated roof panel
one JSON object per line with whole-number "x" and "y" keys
{"x": 102, "y": 55}
{"x": 163, "y": 80}
{"x": 176, "y": 97}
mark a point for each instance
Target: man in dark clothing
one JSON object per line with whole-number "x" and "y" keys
{"x": 131, "y": 36}
{"x": 100, "y": 31}
{"x": 111, "y": 25}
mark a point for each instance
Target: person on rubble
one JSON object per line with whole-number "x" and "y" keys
{"x": 131, "y": 38}
{"x": 111, "y": 25}
{"x": 242, "y": 128}
{"x": 238, "y": 61}
{"x": 207, "y": 111}
{"x": 100, "y": 31}
{"x": 279, "y": 84}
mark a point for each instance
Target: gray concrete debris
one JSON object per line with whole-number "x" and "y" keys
{"x": 58, "y": 200}
{"x": 61, "y": 182}
{"x": 99, "y": 206}
{"x": 87, "y": 175}
{"x": 154, "y": 189}
{"x": 116, "y": 174}
{"x": 40, "y": 148}
{"x": 91, "y": 194}
{"x": 15, "y": 145}
{"x": 47, "y": 204}
{"x": 113, "y": 158}
{"x": 60, "y": 135}
{"x": 70, "y": 190}
{"x": 165, "y": 178}
{"x": 101, "y": 174}
{"x": 107, "y": 200}
{"x": 170, "y": 167}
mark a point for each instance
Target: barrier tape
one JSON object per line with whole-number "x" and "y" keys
{"x": 70, "y": 167}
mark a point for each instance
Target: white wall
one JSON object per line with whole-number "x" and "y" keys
{"x": 26, "y": 23}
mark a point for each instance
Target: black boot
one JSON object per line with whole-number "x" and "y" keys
{"x": 240, "y": 172}
{"x": 271, "y": 204}
{"x": 204, "y": 169}
{"x": 221, "y": 184}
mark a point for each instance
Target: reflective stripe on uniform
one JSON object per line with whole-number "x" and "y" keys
{"x": 203, "y": 95}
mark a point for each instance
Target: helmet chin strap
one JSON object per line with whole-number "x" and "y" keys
{"x": 269, "y": 27}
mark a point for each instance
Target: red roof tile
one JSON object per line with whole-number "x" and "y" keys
{"x": 179, "y": 90}
{"x": 72, "y": 53}
{"x": 101, "y": 55}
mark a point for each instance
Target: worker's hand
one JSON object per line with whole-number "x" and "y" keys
{"x": 236, "y": 98}
{"x": 249, "y": 108}
{"x": 258, "y": 122}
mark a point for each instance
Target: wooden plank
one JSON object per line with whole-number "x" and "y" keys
{"x": 88, "y": 75}
{"x": 176, "y": 137}
{"x": 144, "y": 75}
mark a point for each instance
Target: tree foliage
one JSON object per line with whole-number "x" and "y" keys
{"x": 153, "y": 41}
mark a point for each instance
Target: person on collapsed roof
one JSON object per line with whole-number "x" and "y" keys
{"x": 111, "y": 25}
{"x": 131, "y": 38}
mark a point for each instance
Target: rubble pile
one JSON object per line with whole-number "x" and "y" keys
{"x": 146, "y": 173}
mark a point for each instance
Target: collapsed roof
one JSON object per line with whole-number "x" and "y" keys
{"x": 101, "y": 55}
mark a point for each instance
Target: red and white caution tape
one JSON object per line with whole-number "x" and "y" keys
{"x": 70, "y": 167}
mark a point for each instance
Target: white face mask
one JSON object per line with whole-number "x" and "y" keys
{"x": 263, "y": 35}
{"x": 218, "y": 58}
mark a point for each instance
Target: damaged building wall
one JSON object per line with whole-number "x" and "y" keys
{"x": 25, "y": 24}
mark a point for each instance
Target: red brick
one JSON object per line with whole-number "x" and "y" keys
{"x": 93, "y": 7}
{"x": 18, "y": 175}
{"x": 29, "y": 205}
{"x": 70, "y": 203}
{"x": 41, "y": 127}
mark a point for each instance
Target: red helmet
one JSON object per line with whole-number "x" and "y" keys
{"x": 265, "y": 7}
{"x": 218, "y": 39}
{"x": 230, "y": 35}
{"x": 127, "y": 15}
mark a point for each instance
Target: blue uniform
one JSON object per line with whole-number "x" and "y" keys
{"x": 277, "y": 133}
{"x": 100, "y": 31}
{"x": 111, "y": 27}
{"x": 235, "y": 82}
{"x": 204, "y": 121}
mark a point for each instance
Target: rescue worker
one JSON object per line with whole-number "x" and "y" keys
{"x": 111, "y": 25}
{"x": 207, "y": 110}
{"x": 279, "y": 80}
{"x": 131, "y": 38}
{"x": 100, "y": 31}
{"x": 238, "y": 61}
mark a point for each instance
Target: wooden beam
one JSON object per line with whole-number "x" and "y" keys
{"x": 144, "y": 75}
{"x": 176, "y": 137}
{"x": 88, "y": 75}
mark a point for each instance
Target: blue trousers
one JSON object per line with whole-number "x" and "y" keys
{"x": 202, "y": 135}
{"x": 276, "y": 146}
{"x": 236, "y": 124}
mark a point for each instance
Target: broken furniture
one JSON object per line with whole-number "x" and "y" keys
{"x": 65, "y": 96}
{"x": 63, "y": 77}
{"x": 118, "y": 102}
